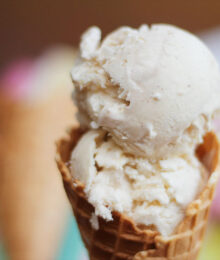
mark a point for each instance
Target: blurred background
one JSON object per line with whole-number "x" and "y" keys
{"x": 38, "y": 46}
{"x": 28, "y": 27}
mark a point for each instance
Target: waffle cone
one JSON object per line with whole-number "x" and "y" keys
{"x": 32, "y": 201}
{"x": 121, "y": 238}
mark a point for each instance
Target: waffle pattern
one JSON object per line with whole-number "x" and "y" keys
{"x": 121, "y": 239}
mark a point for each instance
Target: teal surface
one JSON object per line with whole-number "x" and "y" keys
{"x": 2, "y": 252}
{"x": 72, "y": 247}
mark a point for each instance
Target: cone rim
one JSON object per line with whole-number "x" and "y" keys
{"x": 74, "y": 135}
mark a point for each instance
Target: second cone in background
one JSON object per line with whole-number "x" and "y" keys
{"x": 35, "y": 108}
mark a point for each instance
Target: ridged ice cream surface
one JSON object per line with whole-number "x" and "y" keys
{"x": 153, "y": 89}
{"x": 153, "y": 194}
{"x": 146, "y": 98}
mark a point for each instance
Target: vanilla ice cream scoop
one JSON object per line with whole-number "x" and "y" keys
{"x": 153, "y": 194}
{"x": 154, "y": 89}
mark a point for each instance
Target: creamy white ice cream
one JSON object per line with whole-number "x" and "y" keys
{"x": 151, "y": 193}
{"x": 146, "y": 97}
{"x": 153, "y": 89}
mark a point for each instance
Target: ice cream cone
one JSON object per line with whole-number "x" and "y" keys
{"x": 33, "y": 205}
{"x": 122, "y": 238}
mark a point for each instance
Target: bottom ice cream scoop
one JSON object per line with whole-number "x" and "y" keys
{"x": 152, "y": 194}
{"x": 122, "y": 238}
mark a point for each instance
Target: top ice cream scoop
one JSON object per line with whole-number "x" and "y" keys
{"x": 154, "y": 89}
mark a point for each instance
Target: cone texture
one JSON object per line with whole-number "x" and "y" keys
{"x": 121, "y": 239}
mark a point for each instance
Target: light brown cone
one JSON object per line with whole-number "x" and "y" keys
{"x": 121, "y": 239}
{"x": 33, "y": 205}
